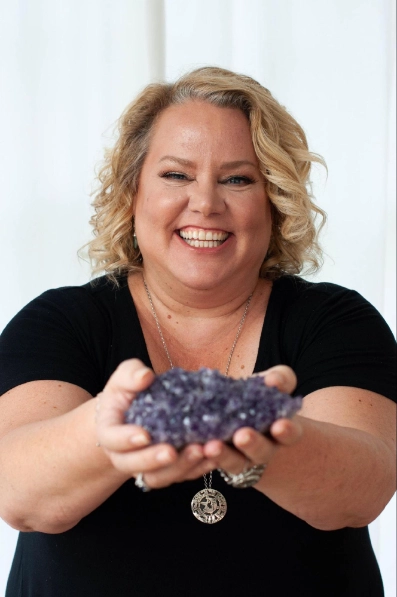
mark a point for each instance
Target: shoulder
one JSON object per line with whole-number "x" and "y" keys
{"x": 310, "y": 308}
{"x": 298, "y": 288}
{"x": 62, "y": 334}
{"x": 100, "y": 290}
{"x": 300, "y": 298}
{"x": 90, "y": 302}
{"x": 333, "y": 336}
{"x": 82, "y": 313}
{"x": 89, "y": 314}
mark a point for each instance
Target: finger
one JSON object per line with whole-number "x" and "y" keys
{"x": 151, "y": 458}
{"x": 254, "y": 445}
{"x": 128, "y": 379}
{"x": 190, "y": 464}
{"x": 162, "y": 465}
{"x": 122, "y": 438}
{"x": 161, "y": 479}
{"x": 259, "y": 448}
{"x": 225, "y": 456}
{"x": 281, "y": 377}
{"x": 286, "y": 431}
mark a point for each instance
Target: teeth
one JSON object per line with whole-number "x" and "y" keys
{"x": 202, "y": 243}
{"x": 203, "y": 238}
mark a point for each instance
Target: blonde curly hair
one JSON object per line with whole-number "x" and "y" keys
{"x": 280, "y": 145}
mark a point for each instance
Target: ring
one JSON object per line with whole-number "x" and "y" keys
{"x": 246, "y": 478}
{"x": 139, "y": 482}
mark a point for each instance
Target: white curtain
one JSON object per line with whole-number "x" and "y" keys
{"x": 68, "y": 69}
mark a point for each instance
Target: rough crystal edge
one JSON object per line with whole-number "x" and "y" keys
{"x": 293, "y": 404}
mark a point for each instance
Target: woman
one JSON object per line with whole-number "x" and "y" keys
{"x": 202, "y": 223}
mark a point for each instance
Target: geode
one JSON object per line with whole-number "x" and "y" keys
{"x": 182, "y": 407}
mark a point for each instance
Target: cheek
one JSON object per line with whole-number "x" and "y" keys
{"x": 257, "y": 217}
{"x": 259, "y": 226}
{"x": 266, "y": 219}
{"x": 158, "y": 210}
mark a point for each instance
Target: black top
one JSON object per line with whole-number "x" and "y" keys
{"x": 150, "y": 544}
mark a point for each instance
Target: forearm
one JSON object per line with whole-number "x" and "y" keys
{"x": 333, "y": 477}
{"x": 52, "y": 472}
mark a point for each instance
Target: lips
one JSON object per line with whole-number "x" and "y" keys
{"x": 198, "y": 237}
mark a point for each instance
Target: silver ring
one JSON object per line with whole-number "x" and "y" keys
{"x": 140, "y": 482}
{"x": 246, "y": 478}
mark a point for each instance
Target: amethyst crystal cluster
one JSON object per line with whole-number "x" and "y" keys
{"x": 181, "y": 407}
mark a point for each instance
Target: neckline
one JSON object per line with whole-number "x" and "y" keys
{"x": 260, "y": 357}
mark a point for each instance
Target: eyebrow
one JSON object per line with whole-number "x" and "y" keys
{"x": 224, "y": 166}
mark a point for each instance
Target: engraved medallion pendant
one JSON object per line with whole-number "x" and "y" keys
{"x": 209, "y": 506}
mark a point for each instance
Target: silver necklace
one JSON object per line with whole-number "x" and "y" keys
{"x": 208, "y": 505}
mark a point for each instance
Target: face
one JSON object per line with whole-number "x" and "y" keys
{"x": 202, "y": 217}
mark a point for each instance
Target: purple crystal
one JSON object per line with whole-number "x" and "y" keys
{"x": 181, "y": 407}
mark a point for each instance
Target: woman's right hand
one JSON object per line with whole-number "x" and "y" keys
{"x": 129, "y": 447}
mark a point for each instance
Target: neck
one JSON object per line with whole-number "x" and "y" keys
{"x": 200, "y": 337}
{"x": 200, "y": 303}
{"x": 240, "y": 327}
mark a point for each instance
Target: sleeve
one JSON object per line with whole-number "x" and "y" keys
{"x": 59, "y": 336}
{"x": 344, "y": 341}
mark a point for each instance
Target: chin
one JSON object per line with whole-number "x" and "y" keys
{"x": 200, "y": 278}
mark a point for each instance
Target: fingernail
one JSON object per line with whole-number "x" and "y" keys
{"x": 194, "y": 454}
{"x": 139, "y": 440}
{"x": 216, "y": 451}
{"x": 274, "y": 377}
{"x": 164, "y": 456}
{"x": 139, "y": 375}
{"x": 244, "y": 438}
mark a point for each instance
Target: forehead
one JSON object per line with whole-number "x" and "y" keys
{"x": 198, "y": 125}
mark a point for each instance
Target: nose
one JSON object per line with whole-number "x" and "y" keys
{"x": 206, "y": 198}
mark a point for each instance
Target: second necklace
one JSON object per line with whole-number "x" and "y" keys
{"x": 208, "y": 505}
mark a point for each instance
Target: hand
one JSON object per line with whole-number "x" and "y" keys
{"x": 128, "y": 446}
{"x": 252, "y": 446}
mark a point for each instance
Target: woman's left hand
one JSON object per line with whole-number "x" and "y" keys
{"x": 251, "y": 446}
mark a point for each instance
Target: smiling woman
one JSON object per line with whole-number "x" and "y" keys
{"x": 218, "y": 189}
{"x": 278, "y": 150}
{"x": 203, "y": 221}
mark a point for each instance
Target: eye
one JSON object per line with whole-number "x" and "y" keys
{"x": 174, "y": 176}
{"x": 238, "y": 180}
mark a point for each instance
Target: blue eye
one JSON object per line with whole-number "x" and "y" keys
{"x": 174, "y": 175}
{"x": 239, "y": 180}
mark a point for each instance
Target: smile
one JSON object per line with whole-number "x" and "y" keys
{"x": 197, "y": 237}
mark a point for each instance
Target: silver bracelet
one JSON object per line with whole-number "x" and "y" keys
{"x": 246, "y": 478}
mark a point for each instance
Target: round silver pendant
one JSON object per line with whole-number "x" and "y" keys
{"x": 209, "y": 506}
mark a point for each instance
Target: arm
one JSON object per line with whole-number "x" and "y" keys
{"x": 341, "y": 469}
{"x": 52, "y": 473}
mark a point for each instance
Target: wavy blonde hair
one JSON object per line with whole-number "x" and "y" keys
{"x": 280, "y": 145}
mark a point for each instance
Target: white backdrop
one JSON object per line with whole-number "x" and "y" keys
{"x": 69, "y": 68}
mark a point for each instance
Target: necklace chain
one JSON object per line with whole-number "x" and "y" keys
{"x": 208, "y": 484}
{"x": 240, "y": 327}
{"x": 158, "y": 324}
